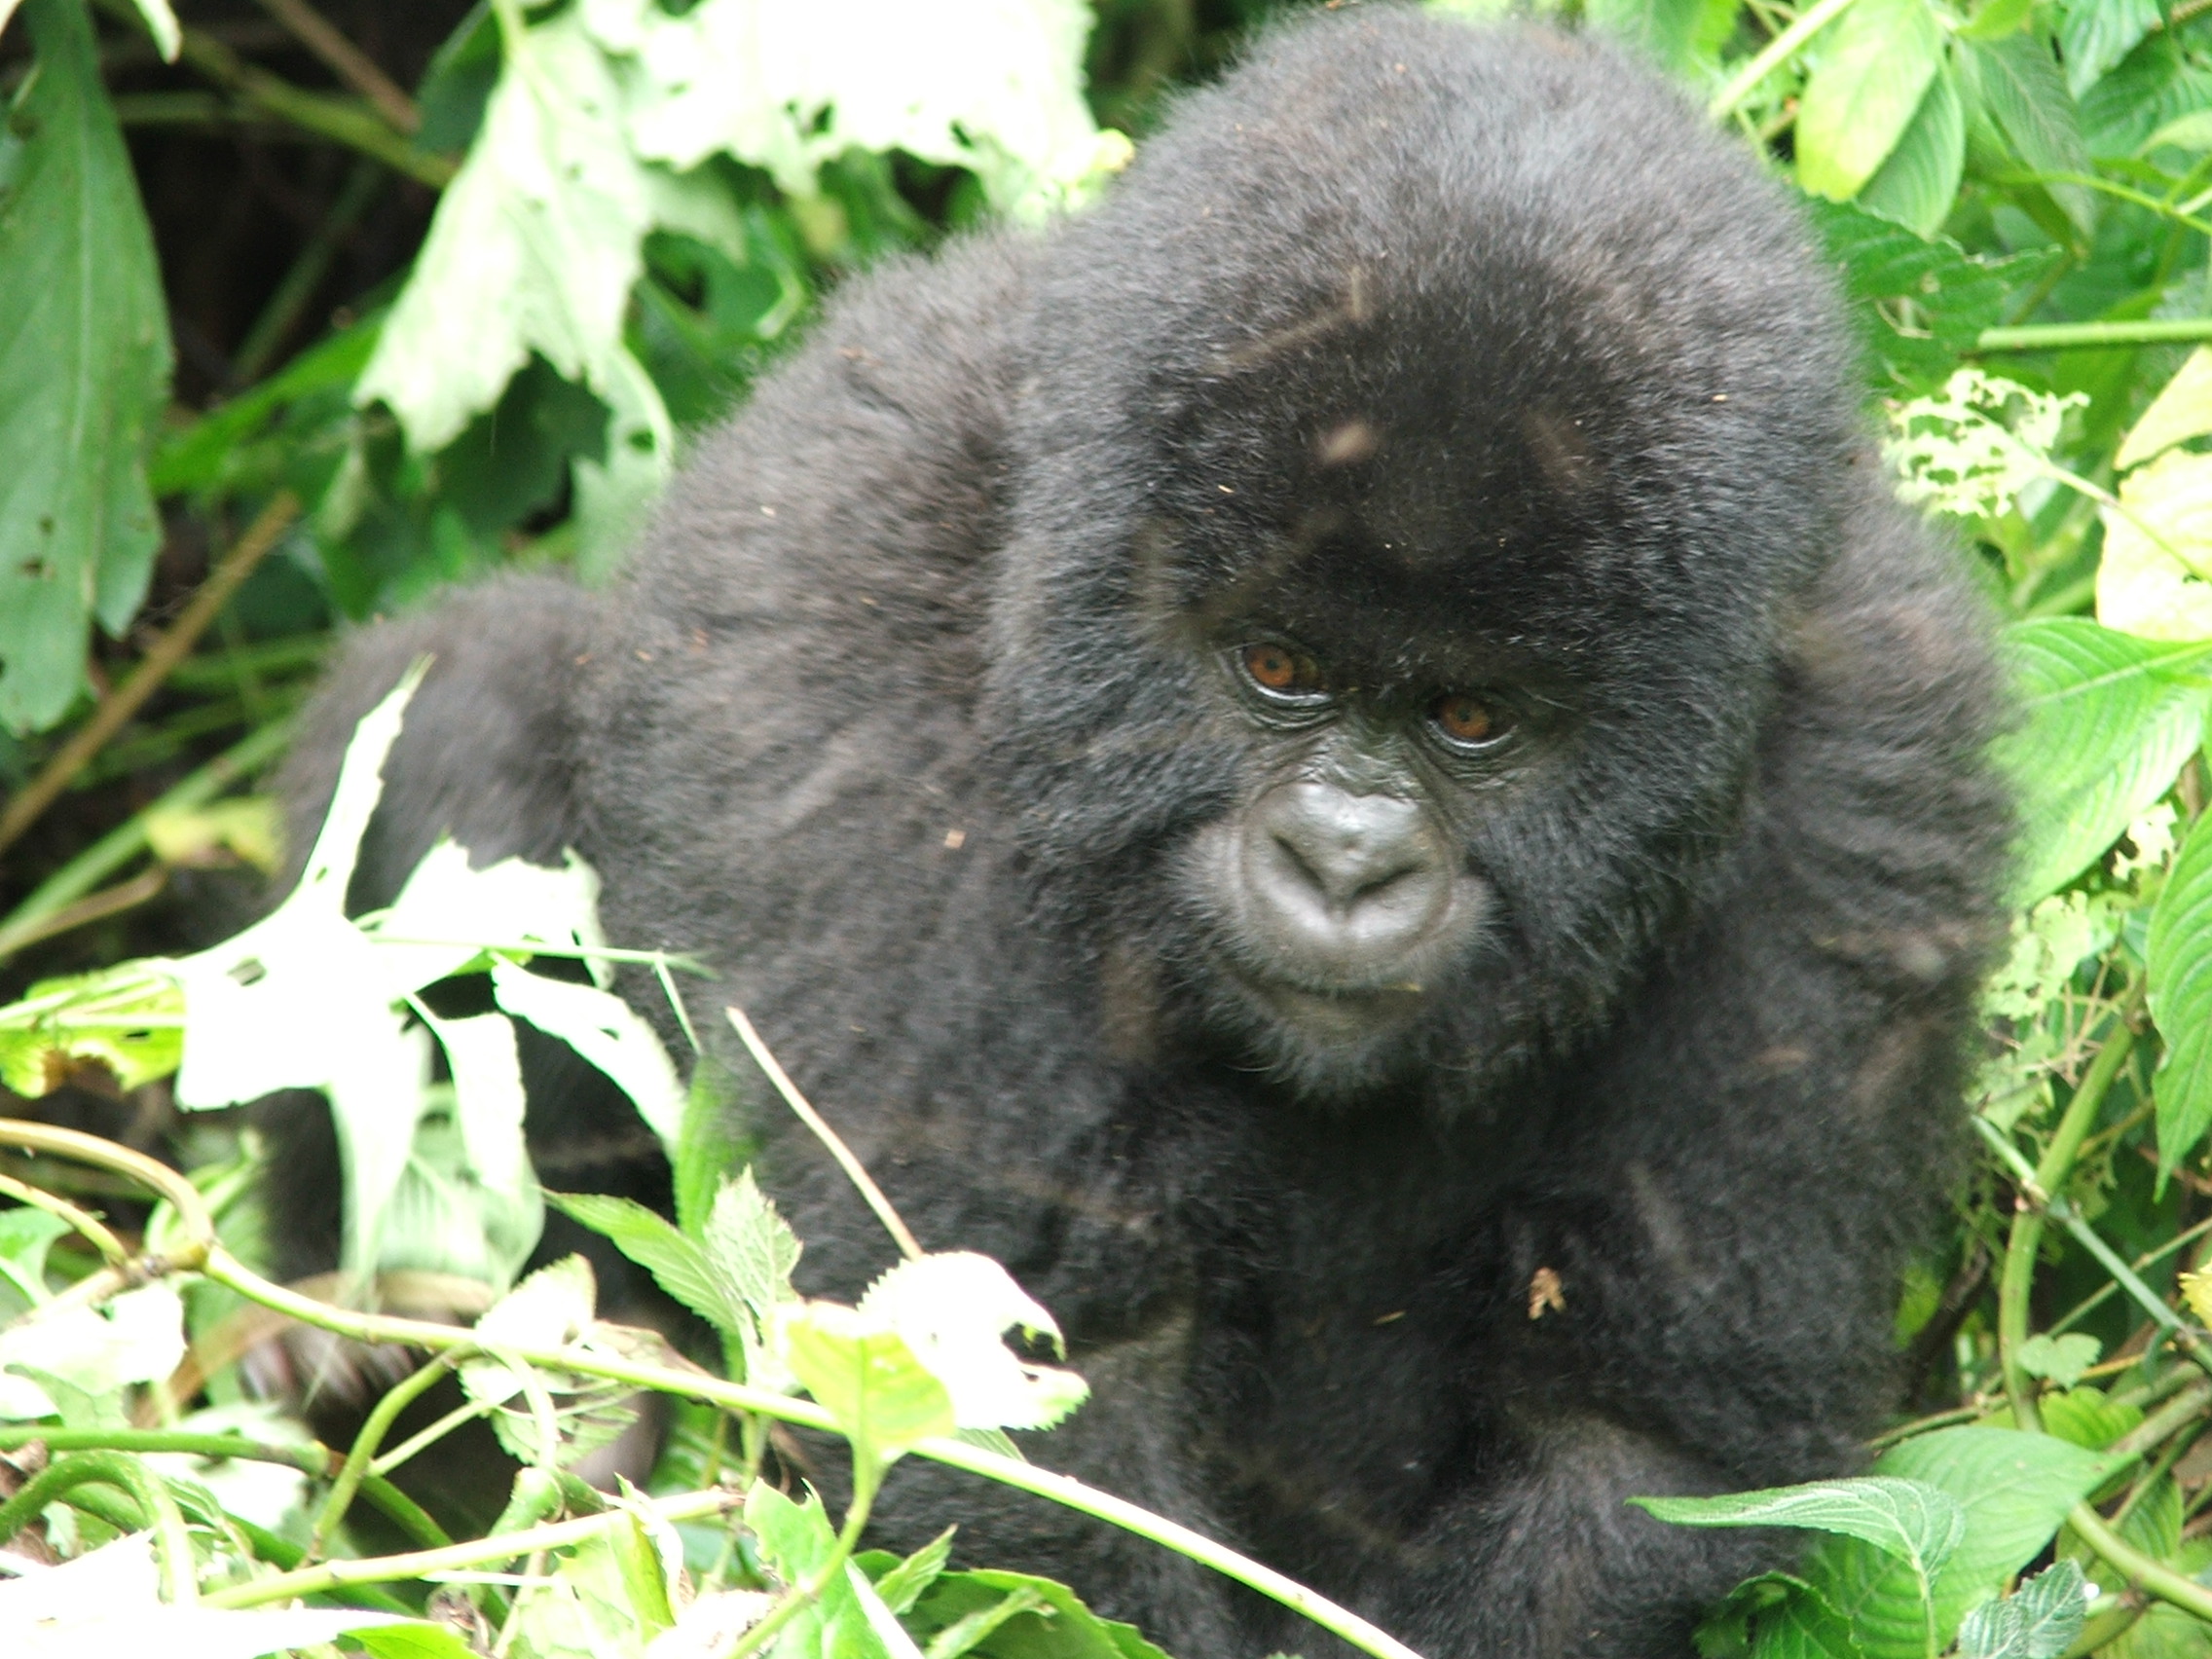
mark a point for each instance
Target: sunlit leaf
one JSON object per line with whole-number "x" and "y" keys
{"x": 1917, "y": 182}
{"x": 2180, "y": 966}
{"x": 1876, "y": 66}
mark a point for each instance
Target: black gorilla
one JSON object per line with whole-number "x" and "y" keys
{"x": 1347, "y": 765}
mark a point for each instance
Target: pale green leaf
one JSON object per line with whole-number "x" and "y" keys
{"x": 951, "y": 1311}
{"x": 2182, "y": 410}
{"x": 2093, "y": 35}
{"x": 2110, "y": 720}
{"x": 796, "y": 1541}
{"x": 677, "y": 1265}
{"x": 137, "y": 1337}
{"x": 1876, "y": 65}
{"x": 84, "y": 371}
{"x": 1913, "y": 1521}
{"x": 606, "y": 1031}
{"x": 2022, "y": 86}
{"x": 885, "y": 1401}
{"x": 2037, "y": 1621}
{"x": 1918, "y": 181}
{"x": 2158, "y": 552}
{"x": 2180, "y": 966}
{"x": 2059, "y": 1360}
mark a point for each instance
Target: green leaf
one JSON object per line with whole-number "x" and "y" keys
{"x": 2088, "y": 1416}
{"x": 2022, "y": 87}
{"x": 2015, "y": 1488}
{"x": 2060, "y": 1359}
{"x": 2180, "y": 961}
{"x": 1888, "y": 270}
{"x": 84, "y": 370}
{"x": 1876, "y": 65}
{"x": 1059, "y": 1626}
{"x": 2110, "y": 720}
{"x": 677, "y": 1265}
{"x": 2093, "y": 35}
{"x": 2152, "y": 581}
{"x": 1920, "y": 179}
{"x": 1915, "y": 1523}
{"x": 796, "y": 1541}
{"x": 2037, "y": 1621}
{"x": 951, "y": 1309}
{"x": 608, "y": 1599}
{"x": 2182, "y": 410}
{"x": 534, "y": 246}
{"x": 708, "y": 1143}
{"x": 605, "y": 1030}
{"x": 411, "y": 1641}
{"x": 750, "y": 1246}
{"x": 885, "y": 1400}
{"x": 901, "y": 1583}
{"x": 1777, "y": 1616}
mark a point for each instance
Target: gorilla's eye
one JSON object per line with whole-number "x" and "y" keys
{"x": 1282, "y": 672}
{"x": 1468, "y": 721}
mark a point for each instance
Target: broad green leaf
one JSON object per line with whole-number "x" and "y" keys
{"x": 2180, "y": 964}
{"x": 885, "y": 1400}
{"x": 2110, "y": 720}
{"x": 84, "y": 370}
{"x": 2093, "y": 35}
{"x": 901, "y": 1583}
{"x": 1994, "y": 19}
{"x": 534, "y": 246}
{"x": 678, "y": 1264}
{"x": 129, "y": 1019}
{"x": 2060, "y": 1359}
{"x": 2182, "y": 410}
{"x": 2157, "y": 551}
{"x": 1902, "y": 1518}
{"x": 1058, "y": 1627}
{"x": 2021, "y": 86}
{"x": 1876, "y": 65}
{"x": 992, "y": 86}
{"x": 2088, "y": 1416}
{"x": 2037, "y": 1621}
{"x": 1918, "y": 181}
{"x": 2015, "y": 1488}
{"x": 951, "y": 1311}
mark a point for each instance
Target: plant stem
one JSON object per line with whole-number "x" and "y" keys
{"x": 172, "y": 1542}
{"x": 387, "y": 1570}
{"x": 1745, "y": 81}
{"x": 364, "y": 1449}
{"x": 171, "y": 648}
{"x": 120, "y": 845}
{"x": 2051, "y": 1174}
{"x": 803, "y": 1596}
{"x": 2139, "y": 1568}
{"x": 2082, "y": 336}
{"x": 348, "y": 62}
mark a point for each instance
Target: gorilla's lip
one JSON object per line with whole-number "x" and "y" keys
{"x": 1338, "y": 1013}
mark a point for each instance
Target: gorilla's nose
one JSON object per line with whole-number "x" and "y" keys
{"x": 1344, "y": 884}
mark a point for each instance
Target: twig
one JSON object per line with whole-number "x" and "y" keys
{"x": 2139, "y": 1568}
{"x": 97, "y": 907}
{"x": 120, "y": 845}
{"x": 1745, "y": 81}
{"x": 93, "y": 1230}
{"x": 282, "y": 312}
{"x": 171, "y": 648}
{"x": 859, "y": 1176}
{"x": 345, "y": 61}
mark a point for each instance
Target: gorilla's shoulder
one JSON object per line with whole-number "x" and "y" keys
{"x": 865, "y": 480}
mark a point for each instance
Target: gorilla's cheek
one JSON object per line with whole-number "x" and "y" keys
{"x": 1330, "y": 910}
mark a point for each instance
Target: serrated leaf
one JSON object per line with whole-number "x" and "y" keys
{"x": 951, "y": 1309}
{"x": 885, "y": 1401}
{"x": 750, "y": 1246}
{"x": 901, "y": 1582}
{"x": 2110, "y": 720}
{"x": 1917, "y": 182}
{"x": 2023, "y": 88}
{"x": 605, "y": 1599}
{"x": 2015, "y": 1489}
{"x": 796, "y": 1541}
{"x": 84, "y": 371}
{"x": 2037, "y": 1621}
{"x": 1777, "y": 1616}
{"x": 1059, "y": 1626}
{"x": 534, "y": 246}
{"x": 1917, "y": 1524}
{"x": 2179, "y": 967}
{"x": 1876, "y": 65}
{"x": 677, "y": 1265}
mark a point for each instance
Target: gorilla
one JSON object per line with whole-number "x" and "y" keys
{"x": 1344, "y": 762}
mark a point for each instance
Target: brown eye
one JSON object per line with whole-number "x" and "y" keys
{"x": 1281, "y": 670}
{"x": 1465, "y": 719}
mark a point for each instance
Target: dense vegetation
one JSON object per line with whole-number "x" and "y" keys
{"x": 304, "y": 314}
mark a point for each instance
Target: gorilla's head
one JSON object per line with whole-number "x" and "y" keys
{"x": 1424, "y": 447}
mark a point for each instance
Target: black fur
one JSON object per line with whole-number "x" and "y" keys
{"x": 1465, "y": 358}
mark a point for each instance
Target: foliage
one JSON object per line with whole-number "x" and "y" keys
{"x": 637, "y": 206}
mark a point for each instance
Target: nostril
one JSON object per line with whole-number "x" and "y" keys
{"x": 1357, "y": 863}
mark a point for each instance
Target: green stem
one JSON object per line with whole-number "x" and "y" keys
{"x": 332, "y": 1575}
{"x": 1745, "y": 80}
{"x": 364, "y": 1449}
{"x": 2139, "y": 1568}
{"x": 2051, "y": 1174}
{"x": 128, "y": 840}
{"x": 2080, "y": 336}
{"x": 172, "y": 1542}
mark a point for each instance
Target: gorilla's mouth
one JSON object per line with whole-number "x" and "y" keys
{"x": 1340, "y": 1017}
